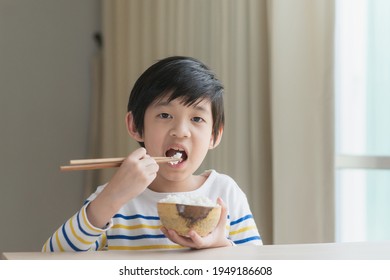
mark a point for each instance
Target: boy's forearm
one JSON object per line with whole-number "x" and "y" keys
{"x": 75, "y": 234}
{"x": 102, "y": 209}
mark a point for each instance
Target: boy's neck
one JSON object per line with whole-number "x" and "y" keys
{"x": 165, "y": 186}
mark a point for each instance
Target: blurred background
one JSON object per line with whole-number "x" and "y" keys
{"x": 307, "y": 90}
{"x": 46, "y": 48}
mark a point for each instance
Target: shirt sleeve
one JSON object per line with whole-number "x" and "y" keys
{"x": 242, "y": 226}
{"x": 77, "y": 234}
{"x": 243, "y": 231}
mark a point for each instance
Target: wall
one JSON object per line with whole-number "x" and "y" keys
{"x": 45, "y": 85}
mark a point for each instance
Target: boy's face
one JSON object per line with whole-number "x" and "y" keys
{"x": 174, "y": 127}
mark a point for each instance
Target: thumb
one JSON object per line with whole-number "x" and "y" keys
{"x": 224, "y": 211}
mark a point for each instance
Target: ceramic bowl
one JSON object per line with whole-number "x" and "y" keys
{"x": 182, "y": 218}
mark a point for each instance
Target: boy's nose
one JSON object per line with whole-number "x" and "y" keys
{"x": 180, "y": 129}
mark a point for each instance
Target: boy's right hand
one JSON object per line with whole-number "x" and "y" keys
{"x": 135, "y": 174}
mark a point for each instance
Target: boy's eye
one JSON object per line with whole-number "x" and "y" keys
{"x": 164, "y": 116}
{"x": 197, "y": 119}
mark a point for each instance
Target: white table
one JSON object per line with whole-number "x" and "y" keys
{"x": 320, "y": 251}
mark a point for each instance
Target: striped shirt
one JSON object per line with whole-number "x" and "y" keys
{"x": 136, "y": 226}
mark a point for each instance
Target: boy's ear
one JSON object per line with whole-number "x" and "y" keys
{"x": 131, "y": 129}
{"x": 217, "y": 140}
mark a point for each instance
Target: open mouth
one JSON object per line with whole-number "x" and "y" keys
{"x": 178, "y": 154}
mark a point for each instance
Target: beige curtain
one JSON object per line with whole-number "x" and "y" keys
{"x": 277, "y": 142}
{"x": 301, "y": 59}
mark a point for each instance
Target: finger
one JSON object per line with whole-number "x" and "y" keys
{"x": 150, "y": 165}
{"x": 221, "y": 202}
{"x": 178, "y": 239}
{"x": 139, "y": 153}
{"x": 147, "y": 161}
{"x": 224, "y": 211}
{"x": 164, "y": 230}
{"x": 152, "y": 168}
{"x": 135, "y": 156}
{"x": 168, "y": 233}
{"x": 196, "y": 239}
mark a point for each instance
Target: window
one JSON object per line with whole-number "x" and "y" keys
{"x": 362, "y": 79}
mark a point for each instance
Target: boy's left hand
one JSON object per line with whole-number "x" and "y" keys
{"x": 217, "y": 238}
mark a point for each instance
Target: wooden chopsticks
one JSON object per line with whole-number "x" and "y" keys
{"x": 99, "y": 163}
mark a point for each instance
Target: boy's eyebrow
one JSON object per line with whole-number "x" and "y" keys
{"x": 161, "y": 103}
{"x": 196, "y": 106}
{"x": 201, "y": 108}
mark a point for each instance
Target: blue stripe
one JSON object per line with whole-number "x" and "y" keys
{"x": 245, "y": 240}
{"x": 51, "y": 244}
{"x": 97, "y": 245}
{"x": 137, "y": 216}
{"x": 249, "y": 216}
{"x": 81, "y": 229}
{"x": 136, "y": 237}
{"x": 68, "y": 240}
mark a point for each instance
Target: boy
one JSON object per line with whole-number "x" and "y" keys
{"x": 176, "y": 105}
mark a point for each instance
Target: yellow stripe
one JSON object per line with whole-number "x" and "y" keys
{"x": 147, "y": 247}
{"x": 58, "y": 242}
{"x": 87, "y": 223}
{"x": 136, "y": 226}
{"x": 103, "y": 242}
{"x": 45, "y": 246}
{"x": 242, "y": 230}
{"x": 75, "y": 234}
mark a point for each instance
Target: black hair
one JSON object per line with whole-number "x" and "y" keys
{"x": 177, "y": 77}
